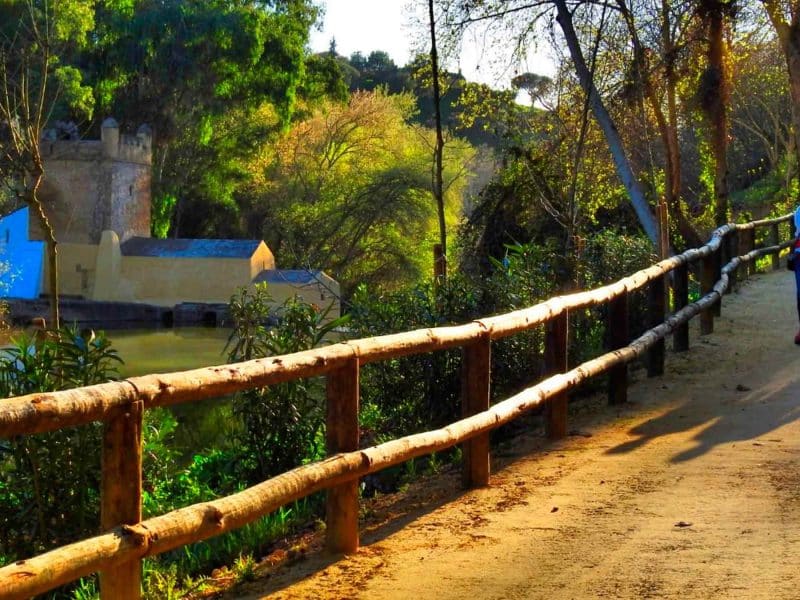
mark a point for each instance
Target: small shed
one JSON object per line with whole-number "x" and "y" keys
{"x": 313, "y": 286}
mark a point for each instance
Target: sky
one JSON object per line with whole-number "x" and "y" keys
{"x": 367, "y": 25}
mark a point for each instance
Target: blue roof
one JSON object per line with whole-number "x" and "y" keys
{"x": 295, "y": 276}
{"x": 180, "y": 248}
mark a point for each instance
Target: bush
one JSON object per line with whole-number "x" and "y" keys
{"x": 283, "y": 425}
{"x": 412, "y": 393}
{"x": 49, "y": 482}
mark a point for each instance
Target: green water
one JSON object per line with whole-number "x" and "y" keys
{"x": 166, "y": 350}
{"x": 201, "y": 425}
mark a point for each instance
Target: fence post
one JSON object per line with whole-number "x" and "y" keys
{"x": 735, "y": 247}
{"x": 680, "y": 337}
{"x": 658, "y": 313}
{"x": 750, "y": 237}
{"x": 555, "y": 358}
{"x": 707, "y": 280}
{"x": 342, "y": 435}
{"x": 775, "y": 239}
{"x": 618, "y": 337}
{"x": 121, "y": 494}
{"x": 475, "y": 382}
{"x": 744, "y": 269}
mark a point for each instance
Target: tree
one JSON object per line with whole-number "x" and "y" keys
{"x": 785, "y": 18}
{"x": 36, "y": 83}
{"x": 521, "y": 18}
{"x": 761, "y": 117}
{"x": 600, "y": 112}
{"x": 535, "y": 85}
{"x": 183, "y": 65}
{"x": 348, "y": 190}
{"x": 714, "y": 95}
{"x": 438, "y": 151}
{"x": 653, "y": 76}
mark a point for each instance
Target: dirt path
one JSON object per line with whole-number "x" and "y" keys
{"x": 691, "y": 491}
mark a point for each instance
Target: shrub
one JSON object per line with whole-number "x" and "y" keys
{"x": 49, "y": 482}
{"x": 283, "y": 425}
{"x": 411, "y": 393}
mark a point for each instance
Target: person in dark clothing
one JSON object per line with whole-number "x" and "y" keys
{"x": 796, "y": 251}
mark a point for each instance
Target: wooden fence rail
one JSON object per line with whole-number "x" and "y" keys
{"x": 117, "y": 553}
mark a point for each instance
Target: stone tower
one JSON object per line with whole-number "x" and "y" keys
{"x": 95, "y": 185}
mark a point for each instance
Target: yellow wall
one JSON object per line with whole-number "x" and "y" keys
{"x": 76, "y": 269}
{"x": 170, "y": 281}
{"x": 108, "y": 268}
{"x": 102, "y": 273}
{"x": 261, "y": 260}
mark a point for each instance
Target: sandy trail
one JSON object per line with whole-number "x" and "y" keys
{"x": 692, "y": 490}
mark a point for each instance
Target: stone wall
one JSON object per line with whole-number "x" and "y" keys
{"x": 130, "y": 200}
{"x": 95, "y": 185}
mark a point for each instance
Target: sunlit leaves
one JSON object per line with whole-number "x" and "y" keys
{"x": 348, "y": 190}
{"x": 71, "y": 19}
{"x": 77, "y": 96}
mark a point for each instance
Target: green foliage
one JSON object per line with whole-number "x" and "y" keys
{"x": 283, "y": 424}
{"x": 348, "y": 189}
{"x": 49, "y": 482}
{"x": 526, "y": 275}
{"x": 609, "y": 256}
{"x": 37, "y": 38}
{"x": 244, "y": 568}
{"x": 161, "y": 212}
{"x": 86, "y": 589}
{"x": 418, "y": 392}
{"x": 198, "y": 72}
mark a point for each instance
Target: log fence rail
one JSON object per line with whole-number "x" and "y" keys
{"x": 117, "y": 553}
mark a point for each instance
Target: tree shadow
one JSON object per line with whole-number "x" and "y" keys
{"x": 397, "y": 514}
{"x": 740, "y": 414}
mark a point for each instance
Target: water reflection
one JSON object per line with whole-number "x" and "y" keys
{"x": 203, "y": 424}
{"x": 166, "y": 350}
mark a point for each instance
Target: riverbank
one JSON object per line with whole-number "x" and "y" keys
{"x": 117, "y": 315}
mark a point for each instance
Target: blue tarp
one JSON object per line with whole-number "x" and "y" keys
{"x": 21, "y": 260}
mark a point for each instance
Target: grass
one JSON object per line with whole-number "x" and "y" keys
{"x": 183, "y": 571}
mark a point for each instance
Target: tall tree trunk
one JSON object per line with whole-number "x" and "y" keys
{"x": 438, "y": 176}
{"x": 714, "y": 98}
{"x": 623, "y": 167}
{"x": 675, "y": 178}
{"x": 789, "y": 36}
{"x": 50, "y": 240}
{"x": 667, "y": 124}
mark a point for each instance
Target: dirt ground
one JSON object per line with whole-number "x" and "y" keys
{"x": 691, "y": 490}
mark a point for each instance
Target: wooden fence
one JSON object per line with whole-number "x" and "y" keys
{"x": 117, "y": 553}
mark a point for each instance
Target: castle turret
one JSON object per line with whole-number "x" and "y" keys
{"x": 109, "y": 137}
{"x": 91, "y": 186}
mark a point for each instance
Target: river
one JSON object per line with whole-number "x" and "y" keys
{"x": 166, "y": 350}
{"x": 203, "y": 424}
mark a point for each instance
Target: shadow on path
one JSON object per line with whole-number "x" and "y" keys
{"x": 734, "y": 415}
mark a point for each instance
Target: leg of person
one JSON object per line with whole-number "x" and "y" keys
{"x": 797, "y": 286}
